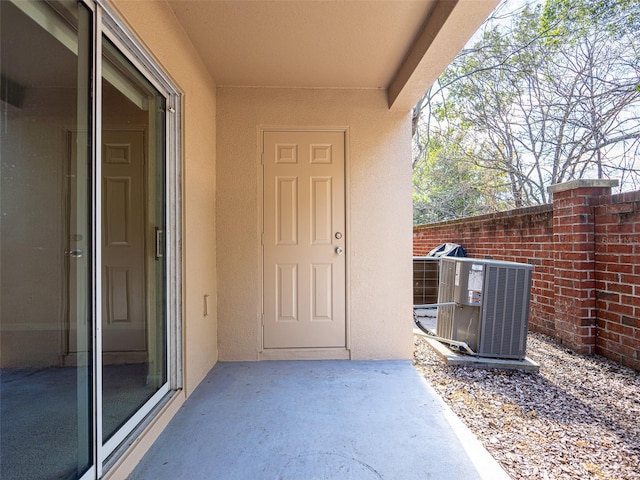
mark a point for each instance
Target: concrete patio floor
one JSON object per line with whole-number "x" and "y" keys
{"x": 308, "y": 420}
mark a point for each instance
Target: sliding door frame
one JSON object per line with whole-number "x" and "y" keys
{"x": 128, "y": 45}
{"x": 108, "y": 25}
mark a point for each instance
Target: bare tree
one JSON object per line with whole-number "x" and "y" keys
{"x": 543, "y": 108}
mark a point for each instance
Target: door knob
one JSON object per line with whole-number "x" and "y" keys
{"x": 75, "y": 253}
{"x": 339, "y": 250}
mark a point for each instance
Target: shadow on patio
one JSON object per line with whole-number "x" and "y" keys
{"x": 316, "y": 420}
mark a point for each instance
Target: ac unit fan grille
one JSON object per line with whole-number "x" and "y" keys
{"x": 505, "y": 320}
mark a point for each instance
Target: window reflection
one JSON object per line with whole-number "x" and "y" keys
{"x": 133, "y": 326}
{"x": 48, "y": 423}
{"x": 45, "y": 359}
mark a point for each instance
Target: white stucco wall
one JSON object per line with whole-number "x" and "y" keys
{"x": 378, "y": 211}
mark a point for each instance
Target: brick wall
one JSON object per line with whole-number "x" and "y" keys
{"x": 617, "y": 277}
{"x": 584, "y": 248}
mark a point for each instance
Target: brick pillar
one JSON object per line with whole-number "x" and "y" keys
{"x": 574, "y": 261}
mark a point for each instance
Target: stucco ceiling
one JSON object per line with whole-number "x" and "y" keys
{"x": 329, "y": 43}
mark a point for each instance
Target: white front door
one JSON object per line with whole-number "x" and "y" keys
{"x": 304, "y": 240}
{"x": 124, "y": 333}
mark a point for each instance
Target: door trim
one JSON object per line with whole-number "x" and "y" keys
{"x": 304, "y": 353}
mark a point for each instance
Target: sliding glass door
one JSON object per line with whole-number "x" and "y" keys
{"x": 89, "y": 317}
{"x": 46, "y": 330}
{"x": 133, "y": 275}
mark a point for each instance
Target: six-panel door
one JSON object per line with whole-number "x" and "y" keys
{"x": 304, "y": 240}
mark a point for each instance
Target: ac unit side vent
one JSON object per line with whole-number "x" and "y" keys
{"x": 425, "y": 280}
{"x": 446, "y": 313}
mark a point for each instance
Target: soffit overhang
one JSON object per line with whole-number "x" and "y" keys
{"x": 400, "y": 46}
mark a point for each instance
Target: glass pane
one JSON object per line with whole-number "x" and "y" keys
{"x": 45, "y": 256}
{"x": 133, "y": 326}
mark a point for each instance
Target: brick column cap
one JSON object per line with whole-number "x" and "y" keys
{"x": 582, "y": 183}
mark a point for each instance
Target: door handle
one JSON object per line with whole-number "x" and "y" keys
{"x": 159, "y": 243}
{"x": 74, "y": 253}
{"x": 339, "y": 250}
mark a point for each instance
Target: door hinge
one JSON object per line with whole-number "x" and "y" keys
{"x": 262, "y": 239}
{"x": 262, "y": 319}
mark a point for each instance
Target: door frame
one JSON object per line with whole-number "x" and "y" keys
{"x": 114, "y": 29}
{"x": 102, "y": 21}
{"x": 304, "y": 353}
{"x": 108, "y": 24}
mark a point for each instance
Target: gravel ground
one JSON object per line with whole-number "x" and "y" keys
{"x": 577, "y": 418}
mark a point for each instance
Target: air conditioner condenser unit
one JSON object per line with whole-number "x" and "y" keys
{"x": 486, "y": 305}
